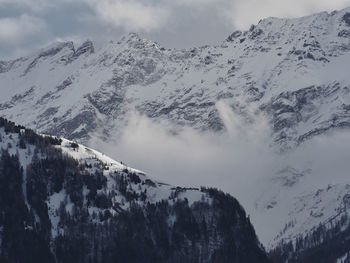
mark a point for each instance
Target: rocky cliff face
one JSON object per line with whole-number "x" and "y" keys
{"x": 289, "y": 68}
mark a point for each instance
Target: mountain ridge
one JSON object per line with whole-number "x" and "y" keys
{"x": 155, "y": 63}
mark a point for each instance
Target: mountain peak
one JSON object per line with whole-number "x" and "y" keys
{"x": 346, "y": 18}
{"x": 86, "y": 47}
{"x": 135, "y": 41}
{"x": 56, "y": 47}
{"x": 129, "y": 38}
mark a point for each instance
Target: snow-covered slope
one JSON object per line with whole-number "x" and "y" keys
{"x": 63, "y": 202}
{"x": 299, "y": 210}
{"x": 95, "y": 162}
{"x": 293, "y": 70}
{"x": 287, "y": 66}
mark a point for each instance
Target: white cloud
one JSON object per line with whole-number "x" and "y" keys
{"x": 163, "y": 17}
{"x": 232, "y": 161}
{"x": 32, "y": 5}
{"x": 130, "y": 15}
{"x": 198, "y": 3}
{"x": 243, "y": 13}
{"x": 140, "y": 15}
{"x": 172, "y": 23}
{"x": 17, "y": 29}
{"x": 239, "y": 162}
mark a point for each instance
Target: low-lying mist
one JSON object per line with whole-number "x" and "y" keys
{"x": 230, "y": 160}
{"x": 240, "y": 160}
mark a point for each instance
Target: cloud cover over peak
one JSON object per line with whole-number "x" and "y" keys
{"x": 29, "y": 24}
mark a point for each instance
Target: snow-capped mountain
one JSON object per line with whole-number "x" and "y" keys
{"x": 294, "y": 71}
{"x": 291, "y": 68}
{"x": 63, "y": 202}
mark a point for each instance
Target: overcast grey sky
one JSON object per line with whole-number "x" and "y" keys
{"x": 29, "y": 24}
